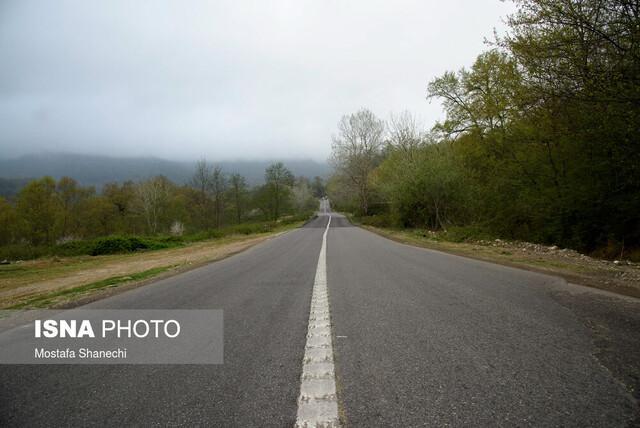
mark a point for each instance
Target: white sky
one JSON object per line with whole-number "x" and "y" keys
{"x": 222, "y": 79}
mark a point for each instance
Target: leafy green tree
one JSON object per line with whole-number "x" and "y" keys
{"x": 100, "y": 217}
{"x": 8, "y": 222}
{"x": 37, "y": 208}
{"x": 424, "y": 186}
{"x": 71, "y": 197}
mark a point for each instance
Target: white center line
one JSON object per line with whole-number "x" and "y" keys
{"x": 318, "y": 403}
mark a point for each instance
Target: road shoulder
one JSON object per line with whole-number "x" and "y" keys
{"x": 603, "y": 275}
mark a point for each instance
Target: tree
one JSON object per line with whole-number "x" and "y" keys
{"x": 403, "y": 132}
{"x": 581, "y": 62}
{"x": 100, "y": 217}
{"x": 482, "y": 100}
{"x": 218, "y": 186}
{"x": 278, "y": 183}
{"x": 8, "y": 220}
{"x": 588, "y": 49}
{"x": 302, "y": 196}
{"x": 71, "y": 197}
{"x": 201, "y": 181}
{"x": 356, "y": 150}
{"x": 424, "y": 188}
{"x": 37, "y": 208}
{"x": 238, "y": 194}
{"x": 123, "y": 198}
{"x": 152, "y": 195}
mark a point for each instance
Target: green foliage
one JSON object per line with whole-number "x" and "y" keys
{"x": 423, "y": 186}
{"x": 540, "y": 141}
{"x": 378, "y": 220}
{"x": 37, "y": 208}
{"x": 275, "y": 195}
{"x": 66, "y": 219}
{"x": 117, "y": 245}
{"x": 7, "y": 222}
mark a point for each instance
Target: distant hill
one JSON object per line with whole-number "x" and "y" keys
{"x": 97, "y": 170}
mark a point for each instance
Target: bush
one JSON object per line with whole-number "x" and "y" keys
{"x": 378, "y": 220}
{"x": 72, "y": 248}
{"x": 116, "y": 245}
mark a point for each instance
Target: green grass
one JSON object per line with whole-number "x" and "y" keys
{"x": 48, "y": 299}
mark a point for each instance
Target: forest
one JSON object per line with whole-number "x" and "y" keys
{"x": 49, "y": 217}
{"x": 540, "y": 141}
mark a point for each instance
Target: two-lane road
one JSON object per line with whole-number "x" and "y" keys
{"x": 420, "y": 338}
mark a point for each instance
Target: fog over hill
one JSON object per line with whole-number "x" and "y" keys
{"x": 97, "y": 170}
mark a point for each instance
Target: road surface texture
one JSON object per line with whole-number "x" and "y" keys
{"x": 420, "y": 338}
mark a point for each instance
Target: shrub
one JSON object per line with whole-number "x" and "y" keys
{"x": 117, "y": 244}
{"x": 378, "y": 220}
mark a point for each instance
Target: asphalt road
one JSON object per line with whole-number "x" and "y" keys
{"x": 420, "y": 338}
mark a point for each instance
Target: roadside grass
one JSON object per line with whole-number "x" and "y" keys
{"x": 47, "y": 281}
{"x": 50, "y": 299}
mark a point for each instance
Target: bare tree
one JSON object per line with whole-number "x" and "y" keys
{"x": 218, "y": 186}
{"x": 278, "y": 183}
{"x": 356, "y": 151}
{"x": 201, "y": 181}
{"x": 238, "y": 190}
{"x": 152, "y": 197}
{"x": 404, "y": 132}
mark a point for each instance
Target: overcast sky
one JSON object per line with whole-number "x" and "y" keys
{"x": 222, "y": 79}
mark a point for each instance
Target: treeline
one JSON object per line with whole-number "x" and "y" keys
{"x": 540, "y": 142}
{"x": 48, "y": 212}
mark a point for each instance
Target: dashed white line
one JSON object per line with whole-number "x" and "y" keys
{"x": 317, "y": 402}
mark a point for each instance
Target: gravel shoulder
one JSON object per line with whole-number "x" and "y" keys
{"x": 622, "y": 277}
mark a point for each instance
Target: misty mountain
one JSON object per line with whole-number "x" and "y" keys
{"x": 92, "y": 170}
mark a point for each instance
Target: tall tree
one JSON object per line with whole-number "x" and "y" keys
{"x": 356, "y": 150}
{"x": 37, "y": 207}
{"x": 152, "y": 195}
{"x": 404, "y": 133}
{"x": 238, "y": 194}
{"x": 7, "y": 222}
{"x": 201, "y": 181}
{"x": 71, "y": 197}
{"x": 278, "y": 183}
{"x": 218, "y": 186}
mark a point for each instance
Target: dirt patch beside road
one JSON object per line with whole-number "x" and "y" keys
{"x": 23, "y": 281}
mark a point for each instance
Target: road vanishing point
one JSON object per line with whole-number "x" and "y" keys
{"x": 332, "y": 325}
